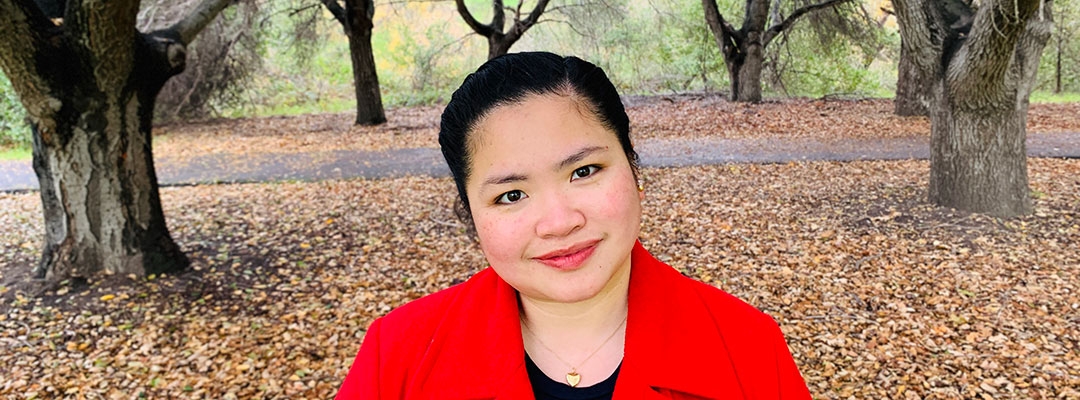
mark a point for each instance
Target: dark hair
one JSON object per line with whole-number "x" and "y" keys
{"x": 509, "y": 79}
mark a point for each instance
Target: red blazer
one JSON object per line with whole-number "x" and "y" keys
{"x": 684, "y": 340}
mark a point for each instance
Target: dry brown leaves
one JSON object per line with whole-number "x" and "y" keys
{"x": 652, "y": 117}
{"x": 405, "y": 127}
{"x": 880, "y": 295}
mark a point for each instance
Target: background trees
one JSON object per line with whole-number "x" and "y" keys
{"x": 499, "y": 36}
{"x": 356, "y": 17}
{"x": 982, "y": 64}
{"x": 88, "y": 80}
{"x": 422, "y": 51}
{"x": 744, "y": 48}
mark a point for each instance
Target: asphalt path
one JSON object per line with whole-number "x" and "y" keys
{"x": 240, "y": 168}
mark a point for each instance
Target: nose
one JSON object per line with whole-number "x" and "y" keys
{"x": 559, "y": 216}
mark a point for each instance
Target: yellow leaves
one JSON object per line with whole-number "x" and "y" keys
{"x": 108, "y": 297}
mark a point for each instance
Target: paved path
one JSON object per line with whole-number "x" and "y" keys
{"x": 227, "y": 168}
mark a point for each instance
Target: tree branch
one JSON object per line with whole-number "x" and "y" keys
{"x": 788, "y": 22}
{"x": 498, "y": 18}
{"x": 199, "y": 18}
{"x": 24, "y": 37}
{"x": 535, "y": 14}
{"x": 337, "y": 11}
{"x": 1032, "y": 42}
{"x": 480, "y": 29}
{"x": 987, "y": 53}
{"x": 726, "y": 36}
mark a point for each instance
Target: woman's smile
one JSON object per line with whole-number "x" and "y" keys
{"x": 570, "y": 258}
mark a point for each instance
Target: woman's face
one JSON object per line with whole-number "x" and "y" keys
{"x": 553, "y": 197}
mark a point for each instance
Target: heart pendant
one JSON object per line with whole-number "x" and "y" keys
{"x": 572, "y": 378}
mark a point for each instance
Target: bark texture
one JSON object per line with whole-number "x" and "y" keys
{"x": 744, "y": 48}
{"x": 88, "y": 82}
{"x": 912, "y": 88}
{"x": 356, "y": 18}
{"x": 498, "y": 37}
{"x": 982, "y": 70}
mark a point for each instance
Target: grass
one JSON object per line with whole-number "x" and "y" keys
{"x": 15, "y": 154}
{"x": 1047, "y": 97}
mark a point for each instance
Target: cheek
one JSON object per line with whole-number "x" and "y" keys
{"x": 500, "y": 238}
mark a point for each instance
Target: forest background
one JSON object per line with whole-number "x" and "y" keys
{"x": 291, "y": 58}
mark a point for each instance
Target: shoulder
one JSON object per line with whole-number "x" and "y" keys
{"x": 422, "y": 316}
{"x": 724, "y": 308}
{"x": 730, "y": 309}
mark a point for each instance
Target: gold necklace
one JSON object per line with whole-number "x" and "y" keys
{"x": 572, "y": 377}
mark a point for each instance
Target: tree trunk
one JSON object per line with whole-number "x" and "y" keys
{"x": 912, "y": 89}
{"x": 369, "y": 107}
{"x": 99, "y": 190}
{"x": 978, "y": 159}
{"x": 744, "y": 49}
{"x": 747, "y": 86}
{"x": 88, "y": 83}
{"x": 1057, "y": 66}
{"x": 499, "y": 45}
{"x": 981, "y": 85}
{"x": 500, "y": 40}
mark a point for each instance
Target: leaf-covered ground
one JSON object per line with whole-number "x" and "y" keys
{"x": 651, "y": 117}
{"x": 880, "y": 295}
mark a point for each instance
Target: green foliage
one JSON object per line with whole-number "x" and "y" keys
{"x": 1048, "y": 97}
{"x": 1064, "y": 44}
{"x": 423, "y": 67}
{"x": 14, "y": 132}
{"x": 800, "y": 65}
{"x": 16, "y": 153}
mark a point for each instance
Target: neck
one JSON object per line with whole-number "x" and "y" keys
{"x": 584, "y": 339}
{"x": 595, "y": 317}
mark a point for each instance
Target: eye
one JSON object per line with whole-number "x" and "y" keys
{"x": 510, "y": 197}
{"x": 584, "y": 172}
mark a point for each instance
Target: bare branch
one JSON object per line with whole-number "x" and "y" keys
{"x": 987, "y": 52}
{"x": 481, "y": 29}
{"x": 23, "y": 38}
{"x": 726, "y": 35}
{"x": 716, "y": 21}
{"x": 536, "y": 12}
{"x": 498, "y": 18}
{"x": 788, "y": 22}
{"x": 195, "y": 22}
{"x": 336, "y": 9}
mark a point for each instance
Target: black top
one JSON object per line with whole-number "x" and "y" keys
{"x": 545, "y": 388}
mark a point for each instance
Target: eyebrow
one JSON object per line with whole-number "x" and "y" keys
{"x": 577, "y": 157}
{"x": 568, "y": 161}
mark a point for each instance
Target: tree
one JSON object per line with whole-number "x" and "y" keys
{"x": 982, "y": 65}
{"x": 744, "y": 48}
{"x": 220, "y": 64}
{"x": 912, "y": 89}
{"x": 88, "y": 78}
{"x": 356, "y": 18}
{"x": 499, "y": 41}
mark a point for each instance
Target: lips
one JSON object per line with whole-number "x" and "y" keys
{"x": 569, "y": 258}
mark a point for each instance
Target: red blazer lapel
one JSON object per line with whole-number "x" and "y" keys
{"x": 477, "y": 350}
{"x": 672, "y": 341}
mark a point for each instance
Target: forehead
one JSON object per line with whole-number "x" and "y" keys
{"x": 536, "y": 132}
{"x": 535, "y": 113}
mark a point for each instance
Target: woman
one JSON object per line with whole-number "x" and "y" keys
{"x": 572, "y": 307}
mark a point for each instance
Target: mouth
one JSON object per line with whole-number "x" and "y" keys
{"x": 569, "y": 258}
